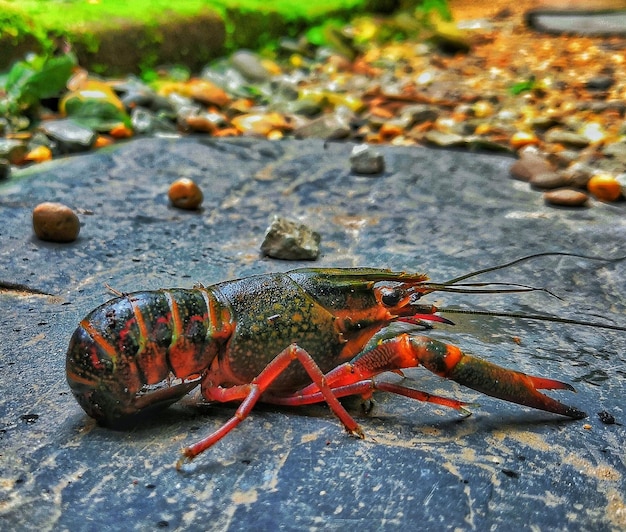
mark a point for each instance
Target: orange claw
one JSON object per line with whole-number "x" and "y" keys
{"x": 450, "y": 362}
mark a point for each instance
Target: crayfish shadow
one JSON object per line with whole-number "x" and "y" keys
{"x": 457, "y": 426}
{"x": 383, "y": 412}
{"x": 152, "y": 419}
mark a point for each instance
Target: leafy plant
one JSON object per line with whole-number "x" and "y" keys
{"x": 31, "y": 80}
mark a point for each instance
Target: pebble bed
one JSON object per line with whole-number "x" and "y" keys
{"x": 558, "y": 102}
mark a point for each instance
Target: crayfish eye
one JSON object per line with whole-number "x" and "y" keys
{"x": 390, "y": 296}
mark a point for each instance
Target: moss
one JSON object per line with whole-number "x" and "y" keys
{"x": 147, "y": 27}
{"x": 19, "y": 33}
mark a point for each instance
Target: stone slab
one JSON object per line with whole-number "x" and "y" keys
{"x": 578, "y": 22}
{"x": 439, "y": 211}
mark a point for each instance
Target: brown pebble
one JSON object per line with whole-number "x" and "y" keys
{"x": 529, "y": 165}
{"x": 55, "y": 222}
{"x": 566, "y": 197}
{"x": 548, "y": 180}
{"x": 185, "y": 194}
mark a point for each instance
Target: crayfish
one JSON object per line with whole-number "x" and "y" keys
{"x": 291, "y": 338}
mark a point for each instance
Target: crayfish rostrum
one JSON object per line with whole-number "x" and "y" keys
{"x": 289, "y": 338}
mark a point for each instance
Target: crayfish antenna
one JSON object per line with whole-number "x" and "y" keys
{"x": 535, "y": 317}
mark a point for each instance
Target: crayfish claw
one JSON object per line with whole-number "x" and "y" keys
{"x": 574, "y": 413}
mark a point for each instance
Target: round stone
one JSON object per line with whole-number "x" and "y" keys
{"x": 55, "y": 222}
{"x": 185, "y": 194}
{"x": 566, "y": 197}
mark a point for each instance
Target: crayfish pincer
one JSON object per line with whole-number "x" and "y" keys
{"x": 287, "y": 338}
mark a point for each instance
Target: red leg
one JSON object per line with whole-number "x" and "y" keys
{"x": 365, "y": 389}
{"x": 250, "y": 393}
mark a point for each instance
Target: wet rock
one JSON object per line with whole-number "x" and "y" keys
{"x": 548, "y": 180}
{"x": 134, "y": 93}
{"x": 284, "y": 89}
{"x": 567, "y": 138}
{"x": 206, "y": 92}
{"x": 143, "y": 121}
{"x": 566, "y": 197}
{"x": 476, "y": 142}
{"x": 290, "y": 240}
{"x": 55, "y": 222}
{"x": 301, "y": 107}
{"x": 13, "y": 150}
{"x": 529, "y": 165}
{"x": 578, "y": 174}
{"x": 600, "y": 83}
{"x": 134, "y": 99}
{"x": 523, "y": 139}
{"x": 617, "y": 151}
{"x": 260, "y": 123}
{"x": 249, "y": 65}
{"x": 445, "y": 140}
{"x": 329, "y": 126}
{"x": 418, "y": 114}
{"x": 183, "y": 105}
{"x": 228, "y": 78}
{"x": 208, "y": 122}
{"x": 162, "y": 105}
{"x": 300, "y": 46}
{"x": 544, "y": 122}
{"x": 365, "y": 160}
{"x": 5, "y": 169}
{"x": 621, "y": 179}
{"x": 564, "y": 158}
{"x": 39, "y": 139}
{"x": 146, "y": 122}
{"x": 69, "y": 136}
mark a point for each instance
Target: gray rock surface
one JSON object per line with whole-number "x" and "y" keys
{"x": 437, "y": 211}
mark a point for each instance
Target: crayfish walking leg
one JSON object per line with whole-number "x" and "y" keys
{"x": 249, "y": 394}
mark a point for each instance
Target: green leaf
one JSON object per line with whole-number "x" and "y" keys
{"x": 523, "y": 86}
{"x": 98, "y": 115}
{"x": 39, "y": 77}
{"x": 51, "y": 79}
